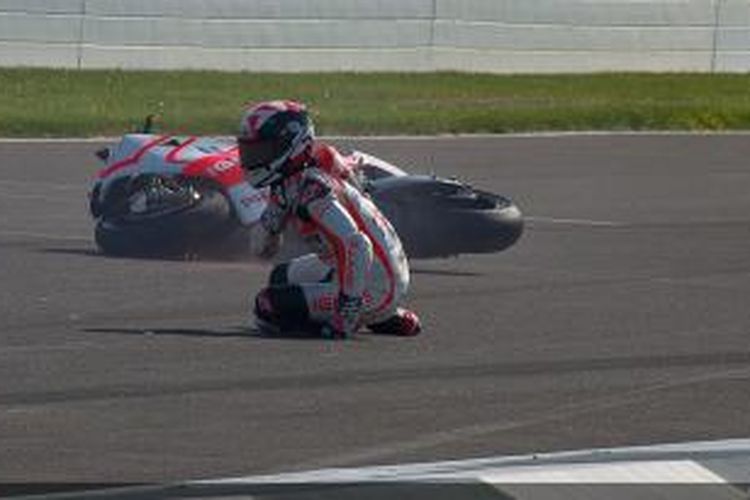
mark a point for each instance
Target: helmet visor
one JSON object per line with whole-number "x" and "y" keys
{"x": 257, "y": 153}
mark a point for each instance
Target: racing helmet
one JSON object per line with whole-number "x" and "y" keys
{"x": 275, "y": 140}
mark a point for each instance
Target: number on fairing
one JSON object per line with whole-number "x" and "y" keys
{"x": 219, "y": 168}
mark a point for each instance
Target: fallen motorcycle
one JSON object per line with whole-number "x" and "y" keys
{"x": 158, "y": 196}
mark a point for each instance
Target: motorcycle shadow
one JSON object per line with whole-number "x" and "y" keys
{"x": 209, "y": 257}
{"x": 85, "y": 252}
{"x": 234, "y": 332}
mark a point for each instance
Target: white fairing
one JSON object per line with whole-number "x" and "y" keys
{"x": 166, "y": 155}
{"x": 375, "y": 168}
{"x": 154, "y": 160}
{"x": 128, "y": 145}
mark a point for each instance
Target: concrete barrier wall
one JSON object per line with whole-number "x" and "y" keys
{"x": 501, "y": 36}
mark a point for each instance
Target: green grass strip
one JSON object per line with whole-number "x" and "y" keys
{"x": 36, "y": 102}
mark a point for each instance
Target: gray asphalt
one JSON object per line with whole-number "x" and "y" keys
{"x": 621, "y": 318}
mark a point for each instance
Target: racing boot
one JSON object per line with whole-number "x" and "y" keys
{"x": 404, "y": 323}
{"x": 281, "y": 309}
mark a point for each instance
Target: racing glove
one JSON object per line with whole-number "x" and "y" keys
{"x": 265, "y": 235}
{"x": 273, "y": 219}
{"x": 274, "y": 216}
{"x": 345, "y": 320}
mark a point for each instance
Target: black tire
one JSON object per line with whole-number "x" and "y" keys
{"x": 433, "y": 222}
{"x": 189, "y": 231}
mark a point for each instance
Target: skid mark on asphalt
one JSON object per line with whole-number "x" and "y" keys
{"x": 426, "y": 441}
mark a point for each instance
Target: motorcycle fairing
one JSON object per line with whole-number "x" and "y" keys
{"x": 171, "y": 155}
{"x": 214, "y": 158}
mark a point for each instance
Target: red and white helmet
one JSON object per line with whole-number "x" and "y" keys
{"x": 275, "y": 139}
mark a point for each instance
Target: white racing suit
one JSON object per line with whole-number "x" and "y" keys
{"x": 358, "y": 272}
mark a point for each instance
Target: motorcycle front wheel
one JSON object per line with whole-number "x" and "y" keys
{"x": 189, "y": 231}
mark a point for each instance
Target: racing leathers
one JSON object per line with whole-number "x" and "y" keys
{"x": 357, "y": 273}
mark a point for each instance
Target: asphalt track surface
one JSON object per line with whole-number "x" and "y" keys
{"x": 621, "y": 318}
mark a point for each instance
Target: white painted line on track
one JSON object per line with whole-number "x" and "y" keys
{"x": 575, "y": 222}
{"x": 68, "y": 346}
{"x": 633, "y": 472}
{"x": 42, "y": 185}
{"x": 55, "y": 140}
{"x": 45, "y": 198}
{"x": 546, "y": 135}
{"x": 439, "y": 137}
{"x": 680, "y": 463}
{"x": 44, "y": 236}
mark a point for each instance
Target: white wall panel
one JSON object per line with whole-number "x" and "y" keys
{"x": 733, "y": 39}
{"x": 734, "y": 13}
{"x": 582, "y": 12}
{"x": 43, "y": 6}
{"x": 502, "y": 36}
{"x": 568, "y": 62}
{"x": 265, "y": 9}
{"x": 733, "y": 61}
{"x": 478, "y": 35}
{"x": 38, "y": 55}
{"x": 259, "y": 60}
{"x": 258, "y": 34}
{"x": 16, "y": 27}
